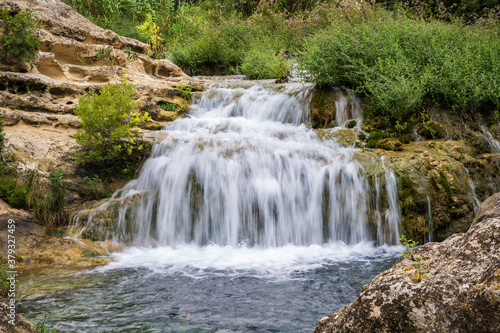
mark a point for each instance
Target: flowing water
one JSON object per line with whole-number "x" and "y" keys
{"x": 242, "y": 220}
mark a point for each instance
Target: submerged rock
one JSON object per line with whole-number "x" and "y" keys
{"x": 459, "y": 293}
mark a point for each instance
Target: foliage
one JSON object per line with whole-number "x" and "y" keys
{"x": 107, "y": 134}
{"x": 42, "y": 326}
{"x": 97, "y": 188}
{"x": 262, "y": 62}
{"x": 150, "y": 31}
{"x": 20, "y": 41}
{"x": 185, "y": 92}
{"x": 13, "y": 189}
{"x": 4, "y": 283}
{"x": 468, "y": 10}
{"x": 47, "y": 201}
{"x": 410, "y": 245}
{"x": 167, "y": 106}
{"x": 402, "y": 65}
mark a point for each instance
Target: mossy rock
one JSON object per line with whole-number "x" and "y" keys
{"x": 432, "y": 130}
{"x": 323, "y": 109}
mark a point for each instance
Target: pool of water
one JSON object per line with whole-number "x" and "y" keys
{"x": 206, "y": 289}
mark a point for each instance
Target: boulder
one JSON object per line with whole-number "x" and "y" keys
{"x": 22, "y": 325}
{"x": 459, "y": 293}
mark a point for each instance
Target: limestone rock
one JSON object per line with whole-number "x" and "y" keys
{"x": 489, "y": 209}
{"x": 461, "y": 292}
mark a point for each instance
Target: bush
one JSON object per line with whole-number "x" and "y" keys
{"x": 47, "y": 202}
{"x": 4, "y": 283}
{"x": 401, "y": 66}
{"x": 96, "y": 189}
{"x": 13, "y": 189}
{"x": 107, "y": 133}
{"x": 20, "y": 41}
{"x": 262, "y": 62}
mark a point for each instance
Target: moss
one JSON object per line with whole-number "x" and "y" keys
{"x": 351, "y": 124}
{"x": 167, "y": 106}
{"x": 377, "y": 135}
{"x": 407, "y": 138}
{"x": 474, "y": 126}
{"x": 372, "y": 144}
{"x": 385, "y": 144}
{"x": 323, "y": 110}
{"x": 362, "y": 136}
{"x": 445, "y": 184}
{"x": 432, "y": 130}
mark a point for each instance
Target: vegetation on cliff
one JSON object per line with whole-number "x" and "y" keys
{"x": 401, "y": 58}
{"x": 107, "y": 135}
{"x": 403, "y": 66}
{"x": 20, "y": 43}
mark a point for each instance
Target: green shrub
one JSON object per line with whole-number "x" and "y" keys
{"x": 401, "y": 66}
{"x": 185, "y": 92}
{"x": 13, "y": 189}
{"x": 97, "y": 188}
{"x": 107, "y": 135}
{"x": 262, "y": 62}
{"x": 43, "y": 327}
{"x": 4, "y": 283}
{"x": 167, "y": 106}
{"x": 47, "y": 201}
{"x": 20, "y": 41}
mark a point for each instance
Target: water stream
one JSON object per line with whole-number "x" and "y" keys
{"x": 242, "y": 218}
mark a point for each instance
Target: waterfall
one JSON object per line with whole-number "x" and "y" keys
{"x": 244, "y": 168}
{"x": 348, "y": 108}
{"x": 477, "y": 202}
{"x": 388, "y": 229}
{"x": 430, "y": 225}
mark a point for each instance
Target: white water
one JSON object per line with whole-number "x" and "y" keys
{"x": 430, "y": 224}
{"x": 245, "y": 169}
{"x": 275, "y": 263}
{"x": 388, "y": 231}
{"x": 477, "y": 202}
{"x": 348, "y": 107}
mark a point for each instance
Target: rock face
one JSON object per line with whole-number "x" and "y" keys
{"x": 76, "y": 57}
{"x": 461, "y": 292}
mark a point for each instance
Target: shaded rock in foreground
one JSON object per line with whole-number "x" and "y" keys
{"x": 22, "y": 325}
{"x": 460, "y": 294}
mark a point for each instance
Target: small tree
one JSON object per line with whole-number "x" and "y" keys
{"x": 107, "y": 133}
{"x": 19, "y": 41}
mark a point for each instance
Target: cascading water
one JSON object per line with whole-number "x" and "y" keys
{"x": 430, "y": 224}
{"x": 242, "y": 217}
{"x": 388, "y": 230}
{"x": 348, "y": 108}
{"x": 243, "y": 168}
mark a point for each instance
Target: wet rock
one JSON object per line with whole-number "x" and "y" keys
{"x": 460, "y": 293}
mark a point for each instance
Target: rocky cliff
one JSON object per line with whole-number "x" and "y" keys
{"x": 459, "y": 293}
{"x": 76, "y": 56}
